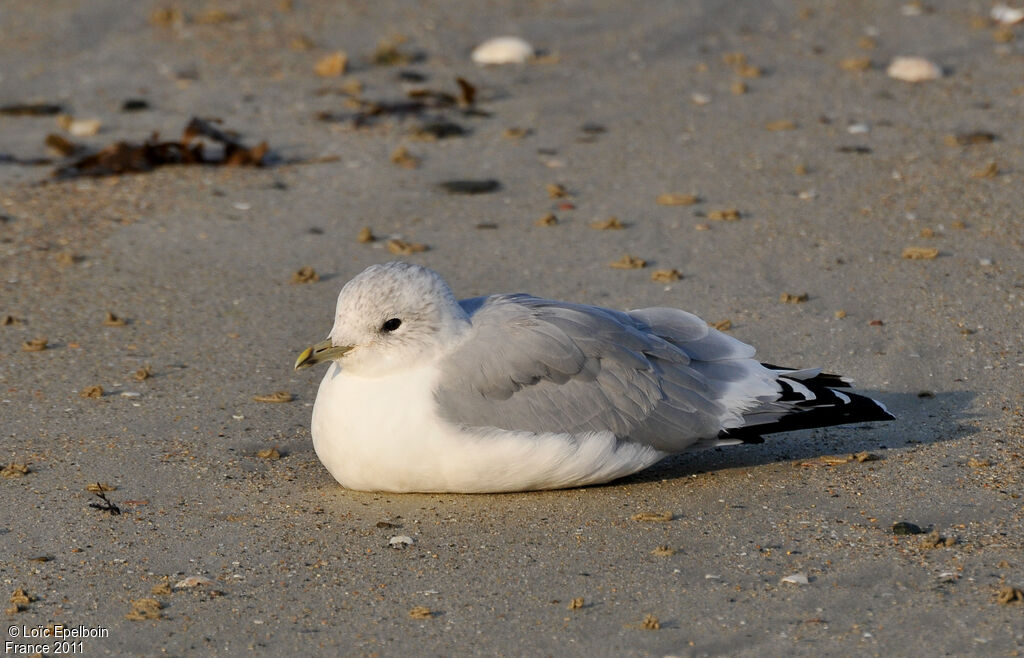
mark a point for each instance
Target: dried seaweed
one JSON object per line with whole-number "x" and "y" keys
{"x": 128, "y": 157}
{"x": 418, "y": 102}
{"x": 31, "y": 109}
{"x": 106, "y": 505}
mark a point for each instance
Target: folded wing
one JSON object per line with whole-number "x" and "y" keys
{"x": 656, "y": 376}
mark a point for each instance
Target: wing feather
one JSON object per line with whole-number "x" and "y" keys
{"x": 657, "y": 376}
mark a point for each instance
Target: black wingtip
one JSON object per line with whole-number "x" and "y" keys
{"x": 842, "y": 409}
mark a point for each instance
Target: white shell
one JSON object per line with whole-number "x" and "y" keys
{"x": 192, "y": 581}
{"x": 79, "y": 127}
{"x": 502, "y": 50}
{"x": 797, "y": 579}
{"x": 400, "y": 541}
{"x": 1006, "y": 15}
{"x": 913, "y": 69}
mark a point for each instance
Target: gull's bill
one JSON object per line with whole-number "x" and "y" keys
{"x": 323, "y": 351}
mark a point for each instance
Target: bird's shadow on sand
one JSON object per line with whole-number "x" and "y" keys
{"x": 920, "y": 418}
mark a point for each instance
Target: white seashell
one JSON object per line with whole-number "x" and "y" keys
{"x": 400, "y": 541}
{"x": 502, "y": 50}
{"x": 1006, "y": 15}
{"x": 797, "y": 579}
{"x": 79, "y": 127}
{"x": 913, "y": 69}
{"x": 192, "y": 581}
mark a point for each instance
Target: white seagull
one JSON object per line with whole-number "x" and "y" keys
{"x": 426, "y": 393}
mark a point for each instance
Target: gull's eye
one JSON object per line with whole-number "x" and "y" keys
{"x": 391, "y": 325}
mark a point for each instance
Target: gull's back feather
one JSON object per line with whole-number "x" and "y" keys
{"x": 657, "y": 376}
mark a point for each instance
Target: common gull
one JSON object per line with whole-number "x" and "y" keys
{"x": 513, "y": 392}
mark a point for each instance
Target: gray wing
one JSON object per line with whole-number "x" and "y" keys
{"x": 657, "y": 376}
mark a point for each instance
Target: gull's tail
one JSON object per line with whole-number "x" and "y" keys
{"x": 809, "y": 399}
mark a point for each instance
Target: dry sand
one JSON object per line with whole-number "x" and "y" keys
{"x": 628, "y": 102}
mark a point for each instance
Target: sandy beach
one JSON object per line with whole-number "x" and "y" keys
{"x": 160, "y": 492}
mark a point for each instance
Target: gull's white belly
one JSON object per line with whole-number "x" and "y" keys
{"x": 383, "y": 434}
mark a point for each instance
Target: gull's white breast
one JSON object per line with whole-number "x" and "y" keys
{"x": 384, "y": 434}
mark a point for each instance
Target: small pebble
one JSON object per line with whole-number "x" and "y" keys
{"x": 970, "y": 138}
{"x": 270, "y": 454}
{"x": 725, "y": 215}
{"x": 14, "y": 470}
{"x": 610, "y": 224}
{"x": 515, "y": 133}
{"x": 134, "y": 105}
{"x": 403, "y": 248}
{"x": 112, "y": 320}
{"x": 332, "y": 65}
{"x": 906, "y": 528}
{"x": 1009, "y": 595}
{"x": 991, "y": 170}
{"x": 143, "y": 609}
{"x": 34, "y": 345}
{"x": 650, "y": 623}
{"x": 666, "y": 276}
{"x": 275, "y": 397}
{"x": 305, "y": 274}
{"x": 470, "y": 186}
{"x": 857, "y": 64}
{"x": 92, "y": 392}
{"x": 556, "y": 191}
{"x": 656, "y": 517}
{"x": 628, "y": 262}
{"x": 669, "y": 199}
{"x": 919, "y": 253}
{"x": 403, "y": 158}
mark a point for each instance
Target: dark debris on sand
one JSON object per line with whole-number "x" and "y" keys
{"x": 202, "y": 142}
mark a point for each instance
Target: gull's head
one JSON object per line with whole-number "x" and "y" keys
{"x": 390, "y": 316}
